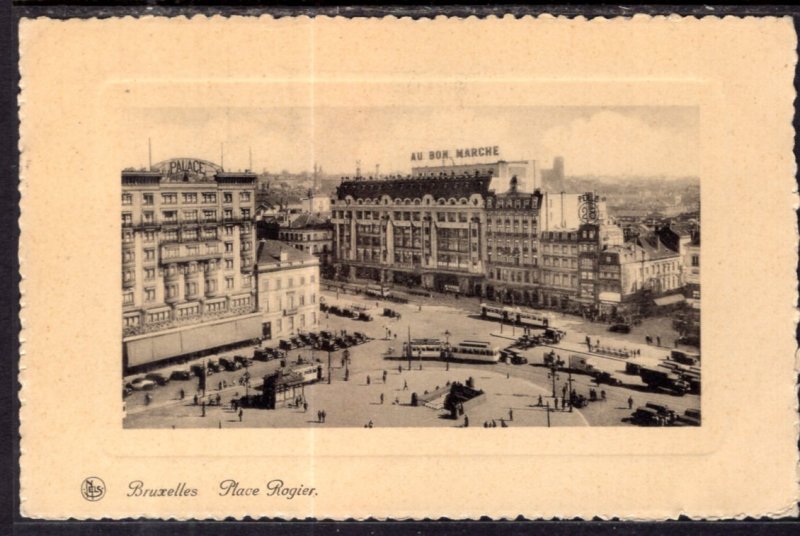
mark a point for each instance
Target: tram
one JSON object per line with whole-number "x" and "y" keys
{"x": 475, "y": 351}
{"x": 424, "y": 348}
{"x": 515, "y": 315}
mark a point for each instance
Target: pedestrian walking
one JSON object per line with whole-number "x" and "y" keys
{"x": 324, "y": 415}
{"x": 399, "y": 369}
{"x": 305, "y": 407}
{"x": 195, "y": 400}
{"x": 555, "y": 402}
{"x": 603, "y": 394}
{"x": 147, "y": 399}
{"x": 384, "y": 376}
{"x": 381, "y": 398}
{"x": 539, "y": 403}
{"x": 319, "y": 416}
{"x": 405, "y": 385}
{"x": 369, "y": 425}
{"x": 658, "y": 341}
{"x": 183, "y": 394}
{"x": 204, "y": 408}
{"x": 219, "y": 386}
{"x": 510, "y": 414}
{"x": 466, "y": 421}
{"x": 368, "y": 379}
{"x": 241, "y": 413}
{"x": 630, "y": 402}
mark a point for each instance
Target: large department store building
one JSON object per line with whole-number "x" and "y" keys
{"x": 454, "y": 232}
{"x": 188, "y": 258}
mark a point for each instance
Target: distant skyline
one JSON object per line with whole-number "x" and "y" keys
{"x": 611, "y": 141}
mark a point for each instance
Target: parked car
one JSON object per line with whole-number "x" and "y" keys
{"x": 619, "y": 328}
{"x": 181, "y": 375}
{"x": 297, "y": 342}
{"x": 285, "y": 344}
{"x": 365, "y": 317}
{"x": 198, "y": 370}
{"x": 230, "y": 364}
{"x": 518, "y": 360}
{"x": 142, "y": 384}
{"x": 214, "y": 365}
{"x": 243, "y": 360}
{"x": 157, "y": 377}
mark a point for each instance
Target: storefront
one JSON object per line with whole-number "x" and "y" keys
{"x": 190, "y": 341}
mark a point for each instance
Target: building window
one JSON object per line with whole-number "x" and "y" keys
{"x": 228, "y": 247}
{"x": 148, "y": 217}
{"x": 229, "y": 283}
{"x": 229, "y": 264}
{"x": 210, "y": 215}
{"x": 127, "y": 199}
{"x": 313, "y": 298}
{"x": 170, "y": 236}
{"x": 311, "y": 279}
{"x": 127, "y": 219}
{"x": 695, "y": 261}
{"x": 277, "y": 284}
{"x": 209, "y": 197}
{"x": 127, "y": 237}
{"x": 190, "y": 198}
{"x": 227, "y": 197}
{"x": 290, "y": 283}
{"x": 169, "y": 198}
{"x": 147, "y": 199}
{"x": 149, "y": 273}
{"x": 245, "y": 213}
{"x": 127, "y": 298}
{"x": 244, "y": 197}
{"x": 149, "y": 295}
{"x": 149, "y": 236}
{"x": 149, "y": 254}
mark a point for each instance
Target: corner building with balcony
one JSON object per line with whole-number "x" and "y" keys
{"x": 188, "y": 257}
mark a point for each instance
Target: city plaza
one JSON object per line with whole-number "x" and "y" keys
{"x": 512, "y": 391}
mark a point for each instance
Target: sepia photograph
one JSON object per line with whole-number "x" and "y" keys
{"x": 494, "y": 266}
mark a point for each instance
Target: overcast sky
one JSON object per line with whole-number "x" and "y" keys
{"x": 593, "y": 141}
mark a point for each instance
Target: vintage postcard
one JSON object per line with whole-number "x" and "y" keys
{"x": 349, "y": 268}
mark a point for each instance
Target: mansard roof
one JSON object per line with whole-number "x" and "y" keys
{"x": 415, "y": 187}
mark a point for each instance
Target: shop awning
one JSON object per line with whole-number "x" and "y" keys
{"x": 610, "y": 297}
{"x": 669, "y": 300}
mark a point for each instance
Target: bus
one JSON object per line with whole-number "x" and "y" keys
{"x": 424, "y": 348}
{"x": 475, "y": 351}
{"x": 515, "y": 315}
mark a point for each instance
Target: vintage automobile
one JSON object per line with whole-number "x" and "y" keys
{"x": 286, "y": 344}
{"x": 364, "y": 317}
{"x": 181, "y": 375}
{"x": 157, "y": 377}
{"x": 142, "y": 384}
{"x": 619, "y": 328}
{"x": 214, "y": 365}
{"x": 243, "y": 360}
{"x": 230, "y": 364}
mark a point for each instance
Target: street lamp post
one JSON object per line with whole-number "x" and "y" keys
{"x": 447, "y": 349}
{"x": 547, "y": 409}
{"x": 329, "y": 366}
{"x": 569, "y": 383}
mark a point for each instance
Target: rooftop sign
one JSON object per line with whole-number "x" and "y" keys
{"x": 188, "y": 169}
{"x": 467, "y": 152}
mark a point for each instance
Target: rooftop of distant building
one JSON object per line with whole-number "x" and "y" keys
{"x": 269, "y": 252}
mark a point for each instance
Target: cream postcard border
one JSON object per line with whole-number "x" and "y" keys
{"x": 77, "y": 79}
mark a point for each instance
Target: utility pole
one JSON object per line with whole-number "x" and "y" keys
{"x": 547, "y": 409}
